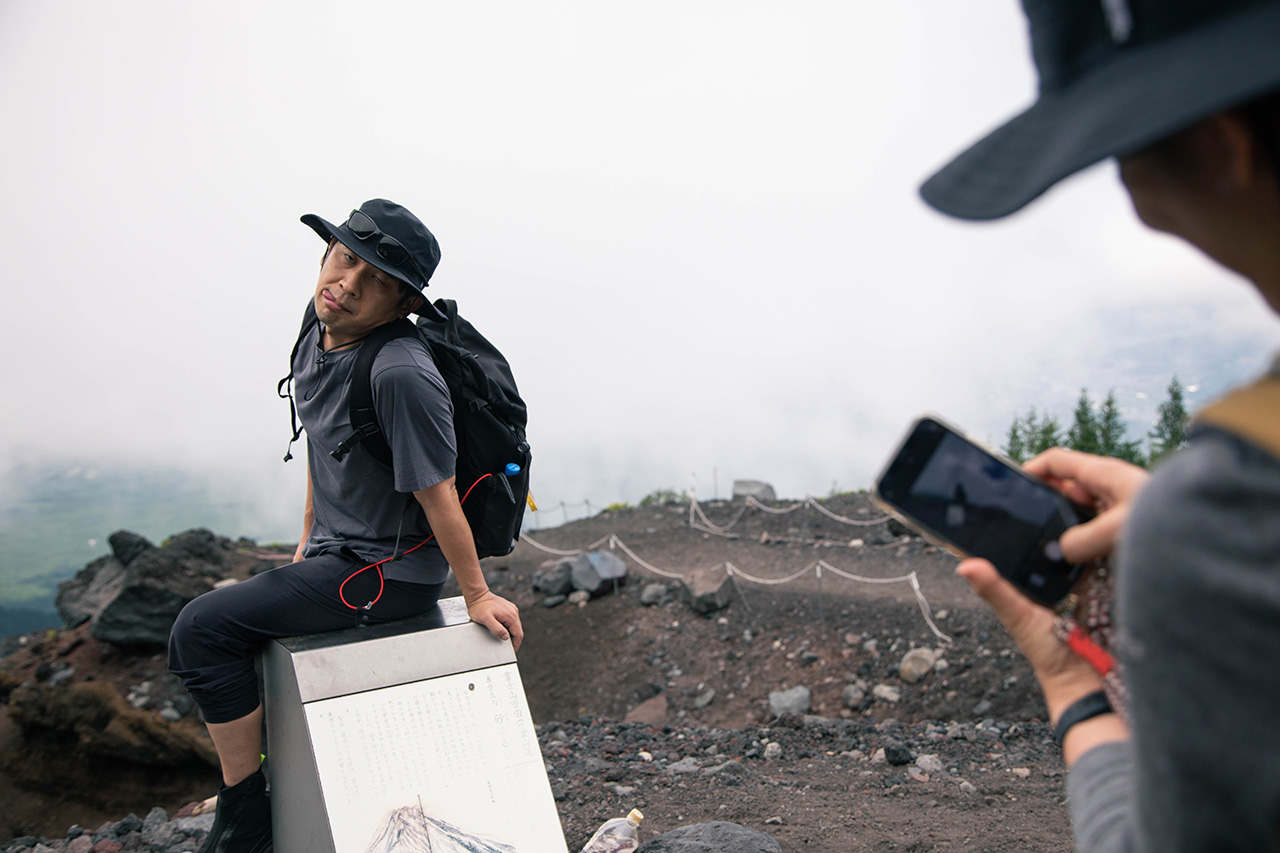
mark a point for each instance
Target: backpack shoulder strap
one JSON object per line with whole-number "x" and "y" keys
{"x": 1251, "y": 412}
{"x": 364, "y": 420}
{"x": 481, "y": 370}
{"x": 284, "y": 388}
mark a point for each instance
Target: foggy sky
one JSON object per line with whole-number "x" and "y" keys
{"x": 692, "y": 227}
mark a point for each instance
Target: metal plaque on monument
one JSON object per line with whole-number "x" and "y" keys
{"x": 407, "y": 737}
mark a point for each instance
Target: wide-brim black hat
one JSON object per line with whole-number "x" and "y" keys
{"x": 422, "y": 251}
{"x": 1115, "y": 76}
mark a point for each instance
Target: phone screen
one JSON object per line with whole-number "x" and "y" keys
{"x": 984, "y": 506}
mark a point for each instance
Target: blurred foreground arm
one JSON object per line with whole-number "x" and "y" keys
{"x": 1109, "y": 486}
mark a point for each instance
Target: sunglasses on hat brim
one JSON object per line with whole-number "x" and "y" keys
{"x": 388, "y": 248}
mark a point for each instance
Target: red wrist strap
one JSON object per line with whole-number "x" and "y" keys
{"x": 1097, "y": 657}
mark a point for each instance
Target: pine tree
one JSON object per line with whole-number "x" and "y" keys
{"x": 1083, "y": 434}
{"x": 1015, "y": 446}
{"x": 1047, "y": 433}
{"x": 1170, "y": 431}
{"x": 1111, "y": 434}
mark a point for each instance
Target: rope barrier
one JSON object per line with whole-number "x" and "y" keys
{"x": 750, "y": 501}
{"x": 769, "y": 581}
{"x": 809, "y": 501}
{"x": 613, "y": 540}
{"x": 734, "y": 573}
{"x": 707, "y": 526}
{"x": 525, "y": 537}
{"x": 698, "y": 521}
{"x": 911, "y": 578}
{"x": 850, "y": 521}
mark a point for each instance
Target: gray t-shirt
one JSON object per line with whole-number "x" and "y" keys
{"x": 358, "y": 503}
{"x": 1198, "y": 602}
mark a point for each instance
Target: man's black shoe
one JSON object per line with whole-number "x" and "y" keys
{"x": 242, "y": 822}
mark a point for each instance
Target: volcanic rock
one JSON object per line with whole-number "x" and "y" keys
{"x": 706, "y": 590}
{"x": 132, "y": 597}
{"x": 757, "y": 489}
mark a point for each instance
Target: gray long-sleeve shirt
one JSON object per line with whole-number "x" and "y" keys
{"x": 1199, "y": 610}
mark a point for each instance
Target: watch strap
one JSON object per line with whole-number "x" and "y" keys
{"x": 1085, "y": 708}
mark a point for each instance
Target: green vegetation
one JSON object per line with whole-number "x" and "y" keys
{"x": 1100, "y": 431}
{"x": 1170, "y": 430}
{"x": 617, "y": 506}
{"x": 663, "y": 496}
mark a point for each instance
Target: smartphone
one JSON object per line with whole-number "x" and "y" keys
{"x": 979, "y": 504}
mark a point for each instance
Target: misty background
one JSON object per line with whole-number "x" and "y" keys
{"x": 693, "y": 228}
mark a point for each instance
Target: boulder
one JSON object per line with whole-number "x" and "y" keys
{"x": 597, "y": 572}
{"x": 554, "y": 577}
{"x": 651, "y": 712}
{"x": 132, "y": 597}
{"x": 886, "y": 693}
{"x": 717, "y": 837}
{"x": 793, "y": 701}
{"x": 854, "y": 694}
{"x": 916, "y": 664}
{"x": 757, "y": 489}
{"x": 707, "y": 590}
{"x": 653, "y": 594}
{"x": 126, "y": 545}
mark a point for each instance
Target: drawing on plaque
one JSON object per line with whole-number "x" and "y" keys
{"x": 410, "y": 829}
{"x": 450, "y": 764}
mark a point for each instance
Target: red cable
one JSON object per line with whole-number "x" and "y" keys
{"x": 378, "y": 565}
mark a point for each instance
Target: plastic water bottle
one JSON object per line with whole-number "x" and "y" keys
{"x": 620, "y": 835}
{"x": 512, "y": 469}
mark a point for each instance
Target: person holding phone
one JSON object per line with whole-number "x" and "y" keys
{"x": 1186, "y": 95}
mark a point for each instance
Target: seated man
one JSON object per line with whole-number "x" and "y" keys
{"x": 377, "y": 541}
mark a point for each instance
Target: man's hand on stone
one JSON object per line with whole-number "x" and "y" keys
{"x": 500, "y": 616}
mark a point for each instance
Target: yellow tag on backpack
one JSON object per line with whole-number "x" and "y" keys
{"x": 1251, "y": 412}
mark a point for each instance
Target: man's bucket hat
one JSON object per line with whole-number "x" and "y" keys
{"x": 1115, "y": 76}
{"x": 387, "y": 236}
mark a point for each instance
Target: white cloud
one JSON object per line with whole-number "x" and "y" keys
{"x": 693, "y": 229}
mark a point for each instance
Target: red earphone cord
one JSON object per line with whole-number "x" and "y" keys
{"x": 378, "y": 565}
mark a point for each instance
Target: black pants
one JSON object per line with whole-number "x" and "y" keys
{"x": 213, "y": 642}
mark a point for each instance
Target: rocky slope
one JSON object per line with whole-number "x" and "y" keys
{"x": 887, "y": 754}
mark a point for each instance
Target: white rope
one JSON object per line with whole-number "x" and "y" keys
{"x": 734, "y": 570}
{"x": 840, "y": 518}
{"x": 912, "y": 579}
{"x": 615, "y": 541}
{"x": 719, "y": 530}
{"x": 861, "y": 579}
{"x": 808, "y": 501}
{"x": 525, "y": 537}
{"x": 769, "y": 509}
{"x": 924, "y": 609}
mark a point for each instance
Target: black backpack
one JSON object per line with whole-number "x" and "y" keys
{"x": 489, "y": 419}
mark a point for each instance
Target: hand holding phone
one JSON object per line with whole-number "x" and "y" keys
{"x": 1108, "y": 484}
{"x": 979, "y": 504}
